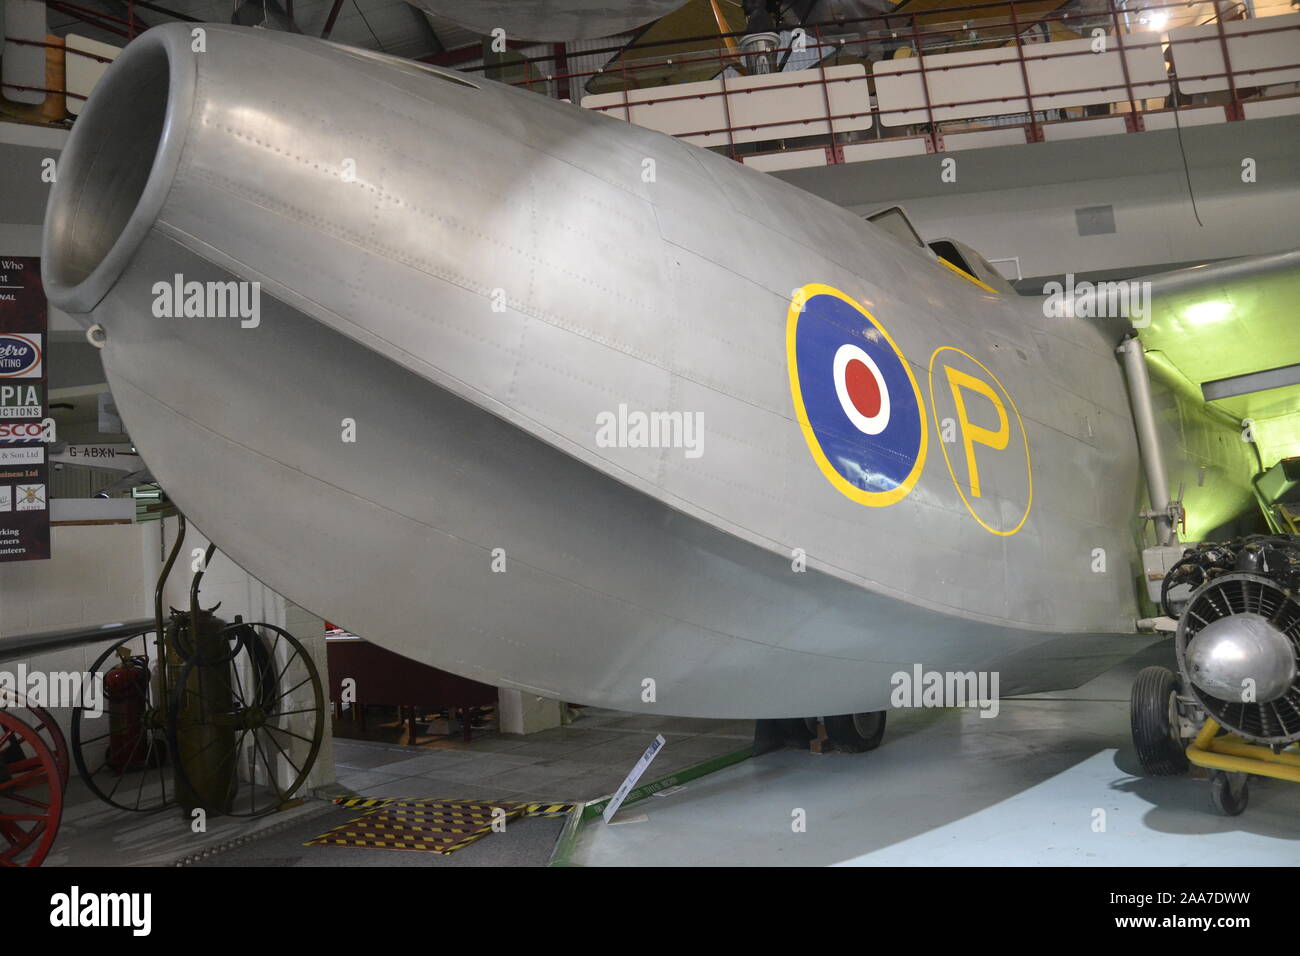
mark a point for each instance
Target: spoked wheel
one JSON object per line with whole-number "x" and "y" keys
{"x": 856, "y": 733}
{"x": 1229, "y": 792}
{"x": 121, "y": 753}
{"x": 1153, "y": 714}
{"x": 247, "y": 722}
{"x": 31, "y": 793}
{"x": 43, "y": 722}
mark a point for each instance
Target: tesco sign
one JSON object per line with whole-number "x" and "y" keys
{"x": 22, "y": 431}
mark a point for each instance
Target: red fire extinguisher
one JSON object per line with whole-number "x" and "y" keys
{"x": 126, "y": 688}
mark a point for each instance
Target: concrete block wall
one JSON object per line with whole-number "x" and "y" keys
{"x": 107, "y": 573}
{"x": 96, "y": 575}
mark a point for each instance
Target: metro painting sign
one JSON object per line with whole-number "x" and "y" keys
{"x": 21, "y": 355}
{"x": 24, "y": 381}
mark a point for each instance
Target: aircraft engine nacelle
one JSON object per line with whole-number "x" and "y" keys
{"x": 1238, "y": 642}
{"x": 389, "y": 335}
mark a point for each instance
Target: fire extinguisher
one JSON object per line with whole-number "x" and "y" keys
{"x": 126, "y": 688}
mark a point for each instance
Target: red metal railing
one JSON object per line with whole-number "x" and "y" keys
{"x": 127, "y": 28}
{"x": 117, "y": 26}
{"x": 928, "y": 35}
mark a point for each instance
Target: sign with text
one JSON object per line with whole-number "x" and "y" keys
{"x": 633, "y": 776}
{"x": 24, "y": 381}
{"x": 108, "y": 457}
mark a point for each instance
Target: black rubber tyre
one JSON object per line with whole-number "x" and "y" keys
{"x": 1154, "y": 716}
{"x": 1229, "y": 792}
{"x": 856, "y": 733}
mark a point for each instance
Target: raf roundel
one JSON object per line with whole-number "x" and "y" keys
{"x": 855, "y": 397}
{"x": 861, "y": 388}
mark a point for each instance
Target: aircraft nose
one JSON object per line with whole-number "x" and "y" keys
{"x": 113, "y": 174}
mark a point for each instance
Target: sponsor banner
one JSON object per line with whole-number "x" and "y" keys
{"x": 21, "y": 401}
{"x": 21, "y": 462}
{"x": 21, "y": 432}
{"x": 24, "y": 383}
{"x": 21, "y": 356}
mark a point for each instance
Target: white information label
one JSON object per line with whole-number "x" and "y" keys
{"x": 634, "y": 776}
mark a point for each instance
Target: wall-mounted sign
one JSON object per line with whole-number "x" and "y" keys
{"x": 107, "y": 457}
{"x": 21, "y": 400}
{"x": 24, "y": 380}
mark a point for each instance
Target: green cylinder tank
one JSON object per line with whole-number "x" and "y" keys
{"x": 205, "y": 713}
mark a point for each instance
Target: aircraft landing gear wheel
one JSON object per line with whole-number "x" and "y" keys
{"x": 1229, "y": 792}
{"x": 856, "y": 733}
{"x": 1153, "y": 712}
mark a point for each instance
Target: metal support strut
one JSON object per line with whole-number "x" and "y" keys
{"x": 1162, "y": 510}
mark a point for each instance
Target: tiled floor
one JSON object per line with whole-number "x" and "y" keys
{"x": 585, "y": 760}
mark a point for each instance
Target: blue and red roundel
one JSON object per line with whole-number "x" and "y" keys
{"x": 855, "y": 397}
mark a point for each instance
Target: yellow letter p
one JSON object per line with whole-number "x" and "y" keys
{"x": 970, "y": 434}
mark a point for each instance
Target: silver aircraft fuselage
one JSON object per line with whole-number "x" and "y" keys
{"x": 473, "y": 281}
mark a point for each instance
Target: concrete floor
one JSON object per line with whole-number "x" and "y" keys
{"x": 95, "y": 834}
{"x": 583, "y": 761}
{"x": 946, "y": 788}
{"x": 527, "y": 842}
{"x": 950, "y": 788}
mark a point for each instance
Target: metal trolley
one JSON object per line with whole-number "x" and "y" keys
{"x": 198, "y": 713}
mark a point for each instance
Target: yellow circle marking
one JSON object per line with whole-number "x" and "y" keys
{"x": 874, "y": 499}
{"x": 934, "y": 409}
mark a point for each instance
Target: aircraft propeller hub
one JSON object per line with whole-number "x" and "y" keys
{"x": 1242, "y": 657}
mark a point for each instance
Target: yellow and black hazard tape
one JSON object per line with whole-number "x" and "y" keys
{"x": 441, "y": 838}
{"x": 420, "y": 827}
{"x": 530, "y": 809}
{"x": 436, "y": 822}
{"x": 434, "y": 825}
{"x": 366, "y": 834}
{"x": 389, "y": 844}
{"x": 464, "y": 813}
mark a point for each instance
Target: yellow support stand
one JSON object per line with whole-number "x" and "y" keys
{"x": 1232, "y": 754}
